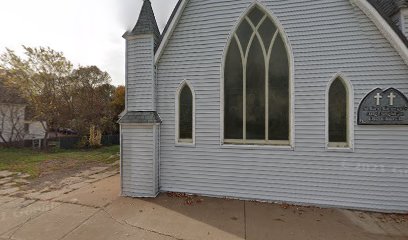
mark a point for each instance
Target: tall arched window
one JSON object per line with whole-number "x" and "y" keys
{"x": 185, "y": 114}
{"x": 338, "y": 135}
{"x": 257, "y": 83}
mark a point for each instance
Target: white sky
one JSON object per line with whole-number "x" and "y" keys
{"x": 89, "y": 32}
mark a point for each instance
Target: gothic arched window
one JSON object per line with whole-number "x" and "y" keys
{"x": 185, "y": 114}
{"x": 257, "y": 83}
{"x": 338, "y": 114}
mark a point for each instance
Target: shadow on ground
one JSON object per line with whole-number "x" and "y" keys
{"x": 210, "y": 218}
{"x": 92, "y": 209}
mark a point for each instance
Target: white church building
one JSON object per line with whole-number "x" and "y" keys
{"x": 294, "y": 101}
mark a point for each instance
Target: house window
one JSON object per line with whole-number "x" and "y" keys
{"x": 257, "y": 84}
{"x": 185, "y": 114}
{"x": 338, "y": 115}
{"x": 26, "y": 128}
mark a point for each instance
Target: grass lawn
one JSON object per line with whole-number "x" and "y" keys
{"x": 31, "y": 162}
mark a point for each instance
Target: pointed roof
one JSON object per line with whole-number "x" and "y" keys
{"x": 147, "y": 22}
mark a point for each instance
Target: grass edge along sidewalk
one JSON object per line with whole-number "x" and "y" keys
{"x": 30, "y": 161}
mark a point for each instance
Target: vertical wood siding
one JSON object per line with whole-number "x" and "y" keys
{"x": 140, "y": 73}
{"x": 327, "y": 37}
{"x": 138, "y": 165}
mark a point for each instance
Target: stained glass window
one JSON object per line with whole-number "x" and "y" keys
{"x": 257, "y": 90}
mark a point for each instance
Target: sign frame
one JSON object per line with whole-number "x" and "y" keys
{"x": 380, "y": 93}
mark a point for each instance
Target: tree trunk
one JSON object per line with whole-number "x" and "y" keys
{"x": 45, "y": 146}
{"x": 46, "y": 140}
{"x": 4, "y": 140}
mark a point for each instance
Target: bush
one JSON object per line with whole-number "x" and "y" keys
{"x": 95, "y": 137}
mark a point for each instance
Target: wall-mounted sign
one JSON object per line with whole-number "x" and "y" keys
{"x": 389, "y": 107}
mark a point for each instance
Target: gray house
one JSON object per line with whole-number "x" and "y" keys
{"x": 291, "y": 101}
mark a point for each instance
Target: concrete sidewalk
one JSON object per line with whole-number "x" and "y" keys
{"x": 96, "y": 212}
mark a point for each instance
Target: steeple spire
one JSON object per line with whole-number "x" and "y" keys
{"x": 146, "y": 23}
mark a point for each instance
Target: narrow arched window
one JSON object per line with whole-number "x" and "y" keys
{"x": 185, "y": 115}
{"x": 257, "y": 83}
{"x": 338, "y": 115}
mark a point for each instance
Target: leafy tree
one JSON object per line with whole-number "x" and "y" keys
{"x": 118, "y": 101}
{"x": 91, "y": 100}
{"x": 42, "y": 78}
{"x": 60, "y": 96}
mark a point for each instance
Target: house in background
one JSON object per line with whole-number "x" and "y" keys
{"x": 12, "y": 115}
{"x": 15, "y": 124}
{"x": 294, "y": 101}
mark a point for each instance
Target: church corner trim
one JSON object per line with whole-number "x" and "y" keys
{"x": 383, "y": 26}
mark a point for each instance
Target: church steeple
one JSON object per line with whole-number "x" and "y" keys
{"x": 141, "y": 119}
{"x": 141, "y": 44}
{"x": 146, "y": 24}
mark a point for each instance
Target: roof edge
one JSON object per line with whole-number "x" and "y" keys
{"x": 387, "y": 31}
{"x": 387, "y": 16}
{"x": 170, "y": 26}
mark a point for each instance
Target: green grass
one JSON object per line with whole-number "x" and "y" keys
{"x": 29, "y": 161}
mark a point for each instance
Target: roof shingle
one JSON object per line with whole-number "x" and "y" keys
{"x": 146, "y": 24}
{"x": 150, "y": 117}
{"x": 387, "y": 9}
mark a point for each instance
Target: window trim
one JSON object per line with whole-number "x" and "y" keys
{"x": 341, "y": 146}
{"x": 178, "y": 140}
{"x": 281, "y": 31}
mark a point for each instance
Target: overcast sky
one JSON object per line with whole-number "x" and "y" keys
{"x": 89, "y": 32}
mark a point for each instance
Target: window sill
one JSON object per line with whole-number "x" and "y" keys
{"x": 339, "y": 149}
{"x": 181, "y": 144}
{"x": 256, "y": 147}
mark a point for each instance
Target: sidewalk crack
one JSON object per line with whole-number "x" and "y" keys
{"x": 80, "y": 224}
{"x": 124, "y": 222}
{"x": 20, "y": 226}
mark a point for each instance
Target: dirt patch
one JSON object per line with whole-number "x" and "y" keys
{"x": 53, "y": 172}
{"x": 187, "y": 198}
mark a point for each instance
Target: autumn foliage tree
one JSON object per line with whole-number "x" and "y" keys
{"x": 91, "y": 99}
{"x": 41, "y": 78}
{"x": 61, "y": 96}
{"x": 118, "y": 101}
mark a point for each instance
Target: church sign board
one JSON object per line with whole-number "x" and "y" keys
{"x": 389, "y": 107}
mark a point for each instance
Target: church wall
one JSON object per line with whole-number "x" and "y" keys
{"x": 327, "y": 37}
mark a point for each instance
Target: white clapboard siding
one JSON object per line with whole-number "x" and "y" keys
{"x": 139, "y": 165}
{"x": 11, "y": 120}
{"x": 140, "y": 80}
{"x": 327, "y": 37}
{"x": 405, "y": 22}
